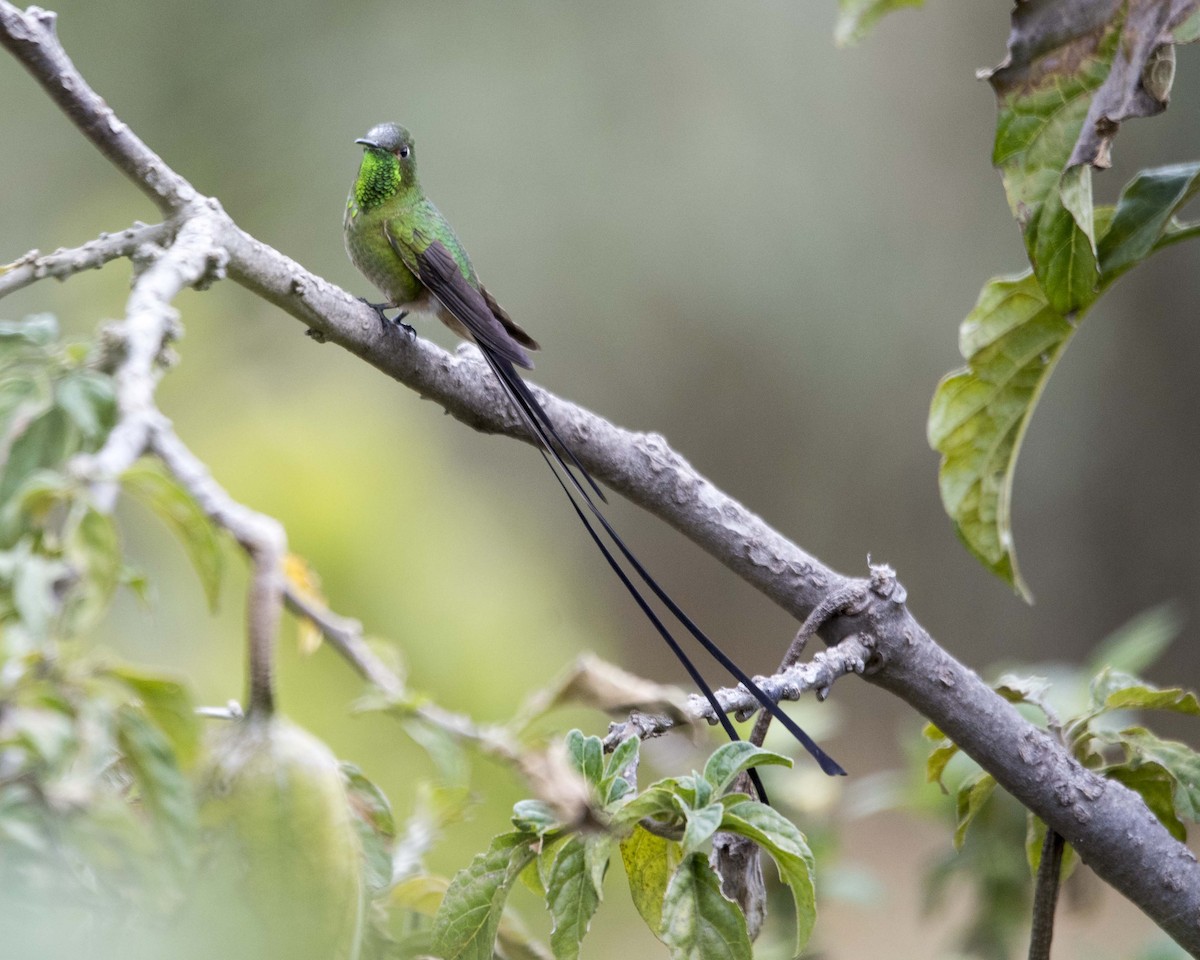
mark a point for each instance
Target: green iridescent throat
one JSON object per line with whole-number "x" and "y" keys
{"x": 378, "y": 180}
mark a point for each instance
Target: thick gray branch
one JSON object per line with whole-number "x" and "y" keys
{"x": 1108, "y": 825}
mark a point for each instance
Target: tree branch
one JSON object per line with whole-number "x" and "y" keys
{"x": 1109, "y": 825}
{"x": 94, "y": 254}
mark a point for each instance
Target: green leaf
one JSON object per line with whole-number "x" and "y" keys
{"x": 587, "y": 756}
{"x": 533, "y": 816}
{"x": 147, "y": 481}
{"x": 375, "y": 824}
{"x": 1144, "y": 211}
{"x": 625, "y": 754}
{"x": 1139, "y": 643}
{"x": 46, "y": 442}
{"x": 93, "y": 551}
{"x": 572, "y": 894}
{"x": 935, "y": 766}
{"x": 856, "y": 17}
{"x": 90, "y": 401}
{"x": 1156, "y": 785}
{"x": 731, "y": 759}
{"x": 787, "y": 846}
{"x": 165, "y": 792}
{"x": 466, "y": 923}
{"x": 1011, "y": 341}
{"x": 972, "y": 795}
{"x": 1035, "y": 838}
{"x": 1119, "y": 691}
{"x": 702, "y": 823}
{"x": 1178, "y": 759}
{"x": 657, "y": 800}
{"x": 169, "y": 707}
{"x": 37, "y": 329}
{"x": 1061, "y": 242}
{"x": 698, "y": 922}
{"x": 648, "y": 860}
{"x": 35, "y": 593}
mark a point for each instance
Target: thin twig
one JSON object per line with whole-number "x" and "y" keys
{"x": 264, "y": 540}
{"x": 94, "y": 254}
{"x": 826, "y": 666}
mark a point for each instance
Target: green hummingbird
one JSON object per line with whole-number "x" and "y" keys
{"x": 401, "y": 242}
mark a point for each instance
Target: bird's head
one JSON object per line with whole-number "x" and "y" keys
{"x": 388, "y": 165}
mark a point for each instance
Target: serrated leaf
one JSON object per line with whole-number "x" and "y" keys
{"x": 165, "y": 792}
{"x": 731, "y": 759}
{"x": 1011, "y": 341}
{"x": 698, "y": 922}
{"x": 970, "y": 799}
{"x": 857, "y": 17}
{"x": 572, "y": 895}
{"x": 1144, "y": 210}
{"x": 466, "y": 923}
{"x": 648, "y": 865}
{"x": 701, "y": 824}
{"x": 168, "y": 705}
{"x": 149, "y": 483}
{"x": 788, "y": 847}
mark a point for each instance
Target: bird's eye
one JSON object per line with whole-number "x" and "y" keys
{"x": 404, "y": 151}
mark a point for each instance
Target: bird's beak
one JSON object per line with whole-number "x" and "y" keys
{"x": 367, "y": 143}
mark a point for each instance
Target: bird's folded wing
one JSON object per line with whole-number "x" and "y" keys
{"x": 437, "y": 269}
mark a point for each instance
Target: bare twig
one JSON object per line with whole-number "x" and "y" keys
{"x": 94, "y": 254}
{"x": 148, "y": 324}
{"x": 1107, "y": 824}
{"x": 849, "y": 656}
{"x": 262, "y": 538}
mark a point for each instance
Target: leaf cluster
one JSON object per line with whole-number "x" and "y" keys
{"x": 1092, "y": 710}
{"x": 662, "y": 835}
{"x": 1067, "y": 66}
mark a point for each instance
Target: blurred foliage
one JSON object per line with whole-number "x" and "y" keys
{"x": 1063, "y": 64}
{"x": 997, "y": 843}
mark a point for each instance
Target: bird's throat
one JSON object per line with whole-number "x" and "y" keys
{"x": 379, "y": 179}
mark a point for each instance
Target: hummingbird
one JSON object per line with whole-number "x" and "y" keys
{"x": 400, "y": 241}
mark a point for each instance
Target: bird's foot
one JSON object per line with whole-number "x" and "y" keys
{"x": 390, "y": 323}
{"x": 406, "y": 327}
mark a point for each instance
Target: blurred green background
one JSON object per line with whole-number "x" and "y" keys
{"x": 720, "y": 227}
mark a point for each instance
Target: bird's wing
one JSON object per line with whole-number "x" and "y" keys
{"x": 437, "y": 269}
